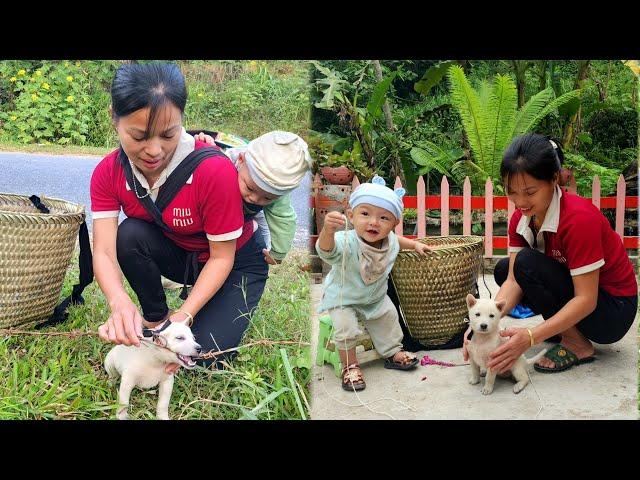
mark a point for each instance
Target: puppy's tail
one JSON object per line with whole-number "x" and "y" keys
{"x": 536, "y": 357}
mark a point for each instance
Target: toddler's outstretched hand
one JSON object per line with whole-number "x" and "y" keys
{"x": 334, "y": 221}
{"x": 203, "y": 137}
{"x": 268, "y": 258}
{"x": 421, "y": 248}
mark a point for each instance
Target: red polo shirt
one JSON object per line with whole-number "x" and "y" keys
{"x": 575, "y": 233}
{"x": 209, "y": 202}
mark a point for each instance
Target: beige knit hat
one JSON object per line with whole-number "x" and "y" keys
{"x": 277, "y": 161}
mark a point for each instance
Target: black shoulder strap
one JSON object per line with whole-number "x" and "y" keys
{"x": 182, "y": 173}
{"x": 140, "y": 191}
{"x": 172, "y": 186}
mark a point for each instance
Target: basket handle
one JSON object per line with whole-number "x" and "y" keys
{"x": 38, "y": 204}
{"x": 86, "y": 277}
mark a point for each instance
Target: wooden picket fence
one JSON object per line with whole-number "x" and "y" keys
{"x": 490, "y": 203}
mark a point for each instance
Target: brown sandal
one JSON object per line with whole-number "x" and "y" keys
{"x": 352, "y": 378}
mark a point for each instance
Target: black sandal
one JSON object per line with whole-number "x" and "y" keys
{"x": 563, "y": 359}
{"x": 389, "y": 362}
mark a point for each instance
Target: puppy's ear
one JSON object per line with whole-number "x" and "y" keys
{"x": 501, "y": 304}
{"x": 160, "y": 340}
{"x": 471, "y": 300}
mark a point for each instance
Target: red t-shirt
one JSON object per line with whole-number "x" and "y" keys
{"x": 209, "y": 202}
{"x": 584, "y": 241}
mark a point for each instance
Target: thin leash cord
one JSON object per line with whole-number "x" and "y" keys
{"x": 204, "y": 356}
{"x": 537, "y": 394}
{"x": 324, "y": 386}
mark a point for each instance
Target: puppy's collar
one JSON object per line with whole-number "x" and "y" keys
{"x": 149, "y": 332}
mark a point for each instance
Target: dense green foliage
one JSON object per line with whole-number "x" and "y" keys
{"x": 459, "y": 116}
{"x": 67, "y": 103}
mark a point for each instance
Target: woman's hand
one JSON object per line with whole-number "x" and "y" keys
{"x": 124, "y": 326}
{"x": 203, "y": 137}
{"x": 465, "y": 343}
{"x": 504, "y": 357}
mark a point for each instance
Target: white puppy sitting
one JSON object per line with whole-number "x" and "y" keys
{"x": 144, "y": 366}
{"x": 484, "y": 319}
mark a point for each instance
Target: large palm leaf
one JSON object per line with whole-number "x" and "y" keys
{"x": 433, "y": 157}
{"x": 550, "y": 107}
{"x": 531, "y": 110}
{"x": 500, "y": 117}
{"x": 467, "y": 102}
{"x": 484, "y": 92}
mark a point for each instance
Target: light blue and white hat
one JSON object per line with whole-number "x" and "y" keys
{"x": 378, "y": 195}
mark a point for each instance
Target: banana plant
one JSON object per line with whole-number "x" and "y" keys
{"x": 360, "y": 122}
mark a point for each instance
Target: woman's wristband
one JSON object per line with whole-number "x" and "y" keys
{"x": 531, "y": 337}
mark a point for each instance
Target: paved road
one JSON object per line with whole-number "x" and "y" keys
{"x": 68, "y": 177}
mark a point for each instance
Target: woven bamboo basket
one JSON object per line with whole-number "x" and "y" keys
{"x": 35, "y": 251}
{"x": 432, "y": 288}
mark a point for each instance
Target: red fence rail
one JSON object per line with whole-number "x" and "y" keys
{"x": 490, "y": 203}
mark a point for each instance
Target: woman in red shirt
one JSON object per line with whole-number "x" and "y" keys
{"x": 565, "y": 262}
{"x": 200, "y": 237}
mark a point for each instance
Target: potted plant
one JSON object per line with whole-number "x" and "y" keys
{"x": 340, "y": 168}
{"x": 409, "y": 221}
{"x": 336, "y": 172}
{"x": 338, "y": 159}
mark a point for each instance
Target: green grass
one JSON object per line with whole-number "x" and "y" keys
{"x": 248, "y": 98}
{"x": 62, "y": 377}
{"x": 52, "y": 149}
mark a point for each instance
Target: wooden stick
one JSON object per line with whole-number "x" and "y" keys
{"x": 204, "y": 356}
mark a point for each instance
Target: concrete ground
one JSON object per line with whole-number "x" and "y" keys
{"x": 604, "y": 389}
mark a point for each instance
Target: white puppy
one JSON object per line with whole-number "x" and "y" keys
{"x": 144, "y": 366}
{"x": 484, "y": 319}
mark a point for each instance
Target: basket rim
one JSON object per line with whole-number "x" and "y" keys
{"x": 473, "y": 241}
{"x": 79, "y": 207}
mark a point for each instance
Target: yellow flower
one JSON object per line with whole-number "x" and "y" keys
{"x": 13, "y": 79}
{"x": 21, "y": 72}
{"x": 66, "y": 64}
{"x": 70, "y": 98}
{"x": 634, "y": 65}
{"x": 46, "y": 86}
{"x": 13, "y": 118}
{"x": 253, "y": 63}
{"x": 77, "y": 64}
{"x": 69, "y": 78}
{"x": 200, "y": 95}
{"x": 38, "y": 73}
{"x": 34, "y": 97}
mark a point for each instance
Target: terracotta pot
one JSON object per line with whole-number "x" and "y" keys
{"x": 337, "y": 175}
